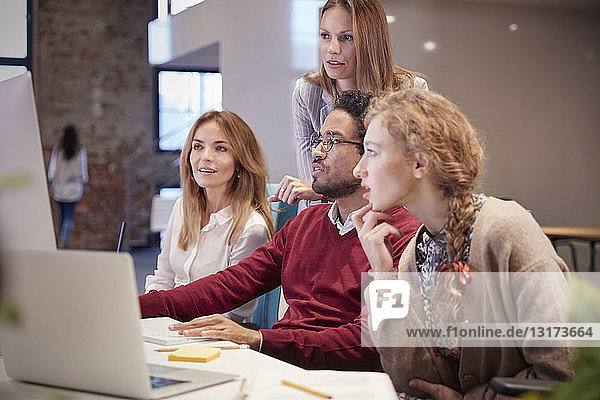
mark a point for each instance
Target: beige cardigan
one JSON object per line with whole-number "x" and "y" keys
{"x": 505, "y": 238}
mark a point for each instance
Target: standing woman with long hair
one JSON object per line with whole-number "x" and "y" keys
{"x": 421, "y": 152}
{"x": 68, "y": 173}
{"x": 223, "y": 214}
{"x": 355, "y": 52}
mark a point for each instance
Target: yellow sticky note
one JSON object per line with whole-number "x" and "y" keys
{"x": 195, "y": 353}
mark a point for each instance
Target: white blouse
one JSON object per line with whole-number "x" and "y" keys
{"x": 209, "y": 255}
{"x": 68, "y": 176}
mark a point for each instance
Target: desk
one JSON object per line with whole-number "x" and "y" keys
{"x": 245, "y": 363}
{"x": 588, "y": 234}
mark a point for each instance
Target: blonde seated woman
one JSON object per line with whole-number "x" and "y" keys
{"x": 421, "y": 152}
{"x": 223, "y": 214}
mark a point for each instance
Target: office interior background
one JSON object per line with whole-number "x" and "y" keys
{"x": 526, "y": 72}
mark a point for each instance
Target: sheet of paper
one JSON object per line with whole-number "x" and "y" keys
{"x": 346, "y": 385}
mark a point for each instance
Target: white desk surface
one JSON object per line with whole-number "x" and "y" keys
{"x": 245, "y": 363}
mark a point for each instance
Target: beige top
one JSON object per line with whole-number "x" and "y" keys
{"x": 505, "y": 238}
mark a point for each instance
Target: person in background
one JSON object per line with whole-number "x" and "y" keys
{"x": 421, "y": 152}
{"x": 68, "y": 172}
{"x": 355, "y": 51}
{"x": 223, "y": 214}
{"x": 316, "y": 258}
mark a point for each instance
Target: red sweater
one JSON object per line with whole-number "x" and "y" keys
{"x": 320, "y": 273}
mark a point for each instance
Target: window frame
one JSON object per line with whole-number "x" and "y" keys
{"x": 156, "y": 71}
{"x": 27, "y": 61}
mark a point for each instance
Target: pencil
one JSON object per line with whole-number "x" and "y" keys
{"x": 241, "y": 395}
{"x": 239, "y": 346}
{"x": 307, "y": 390}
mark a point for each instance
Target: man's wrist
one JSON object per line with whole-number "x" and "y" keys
{"x": 257, "y": 345}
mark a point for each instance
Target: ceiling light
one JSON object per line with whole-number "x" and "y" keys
{"x": 429, "y": 45}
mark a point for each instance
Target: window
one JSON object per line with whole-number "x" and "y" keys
{"x": 172, "y": 7}
{"x": 182, "y": 97}
{"x": 15, "y": 38}
{"x": 178, "y": 6}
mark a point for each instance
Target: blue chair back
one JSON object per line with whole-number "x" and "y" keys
{"x": 282, "y": 212}
{"x": 268, "y": 304}
{"x": 267, "y": 309}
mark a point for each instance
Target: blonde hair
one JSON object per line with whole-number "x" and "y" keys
{"x": 248, "y": 186}
{"x": 427, "y": 123}
{"x": 375, "y": 70}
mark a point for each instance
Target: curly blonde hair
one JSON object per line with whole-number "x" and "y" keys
{"x": 427, "y": 123}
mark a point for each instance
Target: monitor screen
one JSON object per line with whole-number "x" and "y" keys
{"x": 25, "y": 212}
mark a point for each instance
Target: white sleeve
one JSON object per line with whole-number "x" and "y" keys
{"x": 164, "y": 275}
{"x": 52, "y": 166}
{"x": 255, "y": 234}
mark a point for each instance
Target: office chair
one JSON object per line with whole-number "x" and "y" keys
{"x": 265, "y": 314}
{"x": 268, "y": 304}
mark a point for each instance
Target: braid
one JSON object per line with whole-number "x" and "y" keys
{"x": 427, "y": 123}
{"x": 460, "y": 214}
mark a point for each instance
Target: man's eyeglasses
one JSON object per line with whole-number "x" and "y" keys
{"x": 328, "y": 140}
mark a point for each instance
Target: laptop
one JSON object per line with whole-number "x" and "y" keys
{"x": 76, "y": 325}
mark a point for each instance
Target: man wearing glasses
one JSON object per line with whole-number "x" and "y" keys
{"x": 316, "y": 257}
{"x": 291, "y": 190}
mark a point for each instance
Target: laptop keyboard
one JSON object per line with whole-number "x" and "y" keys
{"x": 158, "y": 382}
{"x": 154, "y": 332}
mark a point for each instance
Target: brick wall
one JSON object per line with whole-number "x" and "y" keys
{"x": 91, "y": 68}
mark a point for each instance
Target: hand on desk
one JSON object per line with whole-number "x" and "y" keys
{"x": 437, "y": 391}
{"x": 217, "y": 326}
{"x": 291, "y": 190}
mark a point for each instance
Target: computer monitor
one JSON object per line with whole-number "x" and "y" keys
{"x": 25, "y": 212}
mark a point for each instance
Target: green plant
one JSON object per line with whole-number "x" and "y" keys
{"x": 585, "y": 308}
{"x": 8, "y": 311}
